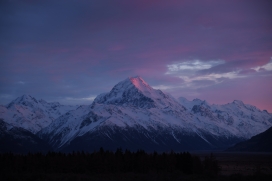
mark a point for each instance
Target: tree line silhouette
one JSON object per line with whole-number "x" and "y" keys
{"x": 108, "y": 162}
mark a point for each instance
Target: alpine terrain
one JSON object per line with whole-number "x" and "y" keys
{"x": 31, "y": 114}
{"x": 133, "y": 115}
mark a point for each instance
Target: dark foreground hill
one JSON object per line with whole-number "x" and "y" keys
{"x": 259, "y": 143}
{"x": 19, "y": 140}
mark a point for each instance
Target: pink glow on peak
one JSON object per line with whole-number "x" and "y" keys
{"x": 137, "y": 80}
{"x": 139, "y": 83}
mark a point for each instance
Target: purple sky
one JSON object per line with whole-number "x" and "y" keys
{"x": 70, "y": 51}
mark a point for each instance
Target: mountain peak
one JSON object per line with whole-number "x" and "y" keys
{"x": 238, "y": 102}
{"x": 199, "y": 101}
{"x": 138, "y": 81}
{"x": 140, "y": 84}
{"x": 24, "y": 97}
{"x": 131, "y": 90}
{"x": 136, "y": 84}
{"x": 135, "y": 91}
{"x": 190, "y": 104}
{"x": 24, "y": 100}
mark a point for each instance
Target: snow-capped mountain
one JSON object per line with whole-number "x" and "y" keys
{"x": 134, "y": 115}
{"x": 31, "y": 114}
{"x": 241, "y": 119}
{"x": 135, "y": 92}
{"x": 131, "y": 103}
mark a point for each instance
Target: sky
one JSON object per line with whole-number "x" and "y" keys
{"x": 70, "y": 51}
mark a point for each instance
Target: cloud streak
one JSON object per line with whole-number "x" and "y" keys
{"x": 194, "y": 65}
{"x": 266, "y": 67}
{"x": 189, "y": 71}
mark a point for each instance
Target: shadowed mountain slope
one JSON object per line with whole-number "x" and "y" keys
{"x": 259, "y": 143}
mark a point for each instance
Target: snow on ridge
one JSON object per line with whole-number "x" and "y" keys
{"x": 237, "y": 118}
{"x": 133, "y": 103}
{"x": 134, "y": 91}
{"x": 31, "y": 114}
{"x": 190, "y": 104}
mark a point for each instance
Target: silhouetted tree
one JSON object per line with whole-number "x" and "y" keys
{"x": 105, "y": 162}
{"x": 211, "y": 166}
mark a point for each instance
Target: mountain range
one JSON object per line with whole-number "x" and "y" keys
{"x": 133, "y": 115}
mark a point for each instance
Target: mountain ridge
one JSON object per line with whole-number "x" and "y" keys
{"x": 132, "y": 113}
{"x": 32, "y": 114}
{"x": 126, "y": 107}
